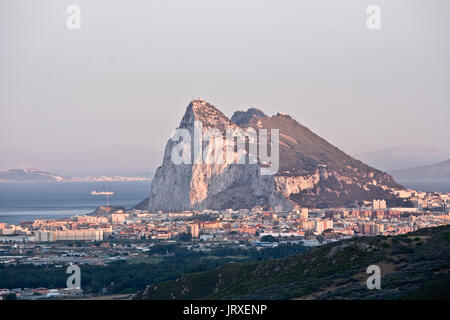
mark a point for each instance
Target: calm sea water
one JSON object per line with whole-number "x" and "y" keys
{"x": 427, "y": 186}
{"x": 29, "y": 201}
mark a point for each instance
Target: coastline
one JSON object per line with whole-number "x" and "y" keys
{"x": 54, "y": 200}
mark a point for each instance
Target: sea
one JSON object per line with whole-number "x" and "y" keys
{"x": 427, "y": 186}
{"x": 21, "y": 202}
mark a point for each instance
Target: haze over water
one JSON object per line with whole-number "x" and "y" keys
{"x": 29, "y": 201}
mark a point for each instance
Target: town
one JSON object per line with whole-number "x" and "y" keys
{"x": 110, "y": 234}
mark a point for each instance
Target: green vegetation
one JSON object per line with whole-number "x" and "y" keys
{"x": 11, "y": 296}
{"x": 269, "y": 238}
{"x": 332, "y": 271}
{"x": 164, "y": 262}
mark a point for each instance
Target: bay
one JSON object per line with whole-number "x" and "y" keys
{"x": 53, "y": 200}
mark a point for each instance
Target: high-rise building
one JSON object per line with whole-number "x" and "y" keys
{"x": 328, "y": 224}
{"x": 378, "y": 205}
{"x": 68, "y": 235}
{"x": 195, "y": 230}
{"x": 318, "y": 226}
{"x": 321, "y": 225}
{"x": 304, "y": 214}
{"x": 418, "y": 204}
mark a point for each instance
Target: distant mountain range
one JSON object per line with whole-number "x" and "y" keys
{"x": 124, "y": 160}
{"x": 402, "y": 157}
{"x": 439, "y": 172}
{"x": 413, "y": 266}
{"x": 34, "y": 175}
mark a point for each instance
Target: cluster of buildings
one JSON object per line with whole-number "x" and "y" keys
{"x": 92, "y": 234}
{"x": 248, "y": 225}
{"x": 39, "y": 293}
{"x": 110, "y": 235}
{"x": 115, "y": 235}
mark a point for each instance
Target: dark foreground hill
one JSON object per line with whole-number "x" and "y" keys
{"x": 413, "y": 266}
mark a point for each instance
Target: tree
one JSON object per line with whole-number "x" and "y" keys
{"x": 185, "y": 237}
{"x": 11, "y": 296}
{"x": 320, "y": 238}
{"x": 269, "y": 238}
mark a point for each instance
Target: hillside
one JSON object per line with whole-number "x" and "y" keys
{"x": 339, "y": 179}
{"x": 311, "y": 173}
{"x": 413, "y": 266}
{"x": 29, "y": 175}
{"x": 34, "y": 175}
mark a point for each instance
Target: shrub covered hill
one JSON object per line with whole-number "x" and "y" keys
{"x": 413, "y": 266}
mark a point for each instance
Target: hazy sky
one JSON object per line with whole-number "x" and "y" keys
{"x": 125, "y": 78}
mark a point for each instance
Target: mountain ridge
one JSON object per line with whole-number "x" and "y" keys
{"x": 437, "y": 172}
{"x": 35, "y": 175}
{"x": 312, "y": 171}
{"x": 403, "y": 157}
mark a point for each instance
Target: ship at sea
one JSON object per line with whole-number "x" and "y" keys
{"x": 23, "y": 202}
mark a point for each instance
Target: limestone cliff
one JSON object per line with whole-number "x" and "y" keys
{"x": 312, "y": 172}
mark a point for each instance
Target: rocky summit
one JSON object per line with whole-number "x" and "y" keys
{"x": 311, "y": 171}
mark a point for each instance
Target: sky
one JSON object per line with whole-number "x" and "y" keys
{"x": 116, "y": 88}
